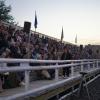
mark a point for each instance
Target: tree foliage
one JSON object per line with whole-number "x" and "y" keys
{"x": 5, "y": 12}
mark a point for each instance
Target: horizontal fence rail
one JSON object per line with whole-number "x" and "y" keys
{"x": 28, "y": 68}
{"x": 42, "y": 61}
{"x": 23, "y": 65}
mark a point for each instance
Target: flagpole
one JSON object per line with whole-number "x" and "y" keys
{"x": 35, "y": 22}
{"x": 76, "y": 39}
{"x": 62, "y": 35}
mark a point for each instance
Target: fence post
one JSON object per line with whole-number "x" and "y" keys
{"x": 93, "y": 64}
{"x": 56, "y": 72}
{"x": 88, "y": 65}
{"x": 72, "y": 69}
{"x": 3, "y": 65}
{"x": 82, "y": 67}
{"x": 26, "y": 64}
{"x": 26, "y": 80}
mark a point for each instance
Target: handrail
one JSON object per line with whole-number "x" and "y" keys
{"x": 28, "y": 68}
{"x": 6, "y": 60}
{"x": 24, "y": 65}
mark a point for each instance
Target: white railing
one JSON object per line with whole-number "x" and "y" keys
{"x": 24, "y": 65}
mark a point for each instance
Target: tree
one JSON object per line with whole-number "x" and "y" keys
{"x": 4, "y": 12}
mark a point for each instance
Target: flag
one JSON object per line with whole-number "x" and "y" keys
{"x": 76, "y": 39}
{"x": 35, "y": 22}
{"x": 62, "y": 35}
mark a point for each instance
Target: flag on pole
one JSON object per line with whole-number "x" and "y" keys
{"x": 62, "y": 35}
{"x": 35, "y": 22}
{"x": 76, "y": 39}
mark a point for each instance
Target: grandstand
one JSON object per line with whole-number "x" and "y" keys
{"x": 40, "y": 77}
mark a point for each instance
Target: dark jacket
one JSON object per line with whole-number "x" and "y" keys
{"x": 66, "y": 56}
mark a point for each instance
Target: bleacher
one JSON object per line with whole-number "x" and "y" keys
{"x": 40, "y": 77}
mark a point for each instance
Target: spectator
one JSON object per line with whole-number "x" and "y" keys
{"x": 66, "y": 56}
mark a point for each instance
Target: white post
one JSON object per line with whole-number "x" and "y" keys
{"x": 56, "y": 72}
{"x": 3, "y": 65}
{"x": 82, "y": 67}
{"x": 93, "y": 64}
{"x": 72, "y": 70}
{"x": 26, "y": 80}
{"x": 24, "y": 64}
{"x": 88, "y": 68}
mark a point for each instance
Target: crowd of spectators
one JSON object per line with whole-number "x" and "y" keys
{"x": 14, "y": 43}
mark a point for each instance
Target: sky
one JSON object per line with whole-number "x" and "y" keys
{"x": 81, "y": 17}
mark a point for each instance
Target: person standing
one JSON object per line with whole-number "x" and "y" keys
{"x": 66, "y": 55}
